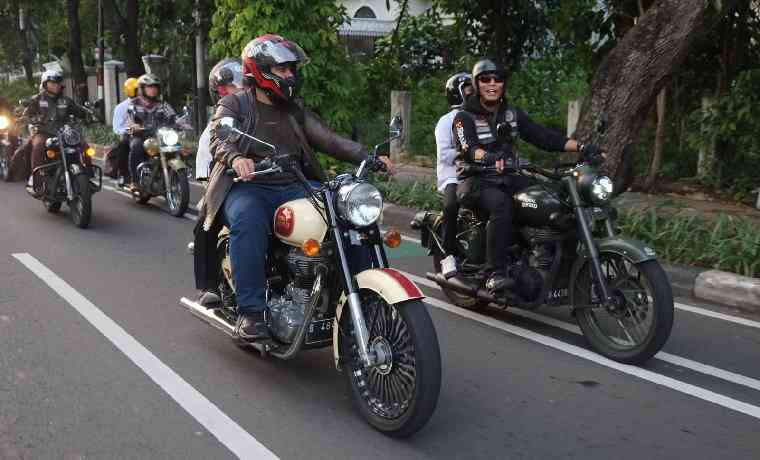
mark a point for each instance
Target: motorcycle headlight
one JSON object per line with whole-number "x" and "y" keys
{"x": 151, "y": 146}
{"x": 601, "y": 189}
{"x": 168, "y": 136}
{"x": 4, "y": 122}
{"x": 361, "y": 204}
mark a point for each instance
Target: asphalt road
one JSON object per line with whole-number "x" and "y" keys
{"x": 98, "y": 361}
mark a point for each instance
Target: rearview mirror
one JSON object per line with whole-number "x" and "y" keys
{"x": 226, "y": 130}
{"x": 396, "y": 127}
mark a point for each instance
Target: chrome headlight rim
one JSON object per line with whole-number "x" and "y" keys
{"x": 601, "y": 189}
{"x": 168, "y": 136}
{"x": 359, "y": 203}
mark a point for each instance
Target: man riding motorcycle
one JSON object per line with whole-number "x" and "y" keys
{"x": 120, "y": 124}
{"x": 481, "y": 141}
{"x": 267, "y": 110}
{"x": 225, "y": 78}
{"x": 458, "y": 89}
{"x": 47, "y": 111}
{"x": 146, "y": 113}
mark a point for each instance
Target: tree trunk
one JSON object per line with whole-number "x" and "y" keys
{"x": 706, "y": 160}
{"x": 126, "y": 29}
{"x": 134, "y": 62}
{"x": 659, "y": 139}
{"x": 631, "y": 75}
{"x": 75, "y": 52}
{"x": 23, "y": 38}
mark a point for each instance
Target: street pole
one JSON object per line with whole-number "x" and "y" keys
{"x": 101, "y": 83}
{"x": 200, "y": 68}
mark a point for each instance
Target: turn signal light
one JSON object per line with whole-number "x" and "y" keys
{"x": 310, "y": 247}
{"x": 51, "y": 153}
{"x": 90, "y": 152}
{"x": 392, "y": 238}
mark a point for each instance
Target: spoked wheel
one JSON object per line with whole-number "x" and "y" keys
{"x": 178, "y": 193}
{"x": 398, "y": 396}
{"x": 457, "y": 298}
{"x": 637, "y": 326}
{"x": 81, "y": 205}
{"x": 5, "y": 166}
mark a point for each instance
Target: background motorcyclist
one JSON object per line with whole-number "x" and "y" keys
{"x": 47, "y": 111}
{"x": 481, "y": 142}
{"x": 458, "y": 89}
{"x": 120, "y": 124}
{"x": 146, "y": 113}
{"x": 269, "y": 111}
{"x": 225, "y": 78}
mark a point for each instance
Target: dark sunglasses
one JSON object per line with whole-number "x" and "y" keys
{"x": 491, "y": 78}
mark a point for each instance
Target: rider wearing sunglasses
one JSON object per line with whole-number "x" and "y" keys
{"x": 486, "y": 130}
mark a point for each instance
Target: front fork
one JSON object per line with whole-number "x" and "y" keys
{"x": 361, "y": 334}
{"x": 588, "y": 239}
{"x": 165, "y": 169}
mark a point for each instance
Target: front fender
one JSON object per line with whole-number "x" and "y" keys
{"x": 177, "y": 164}
{"x": 390, "y": 284}
{"x": 635, "y": 250}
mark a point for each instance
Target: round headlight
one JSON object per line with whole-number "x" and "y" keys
{"x": 4, "y": 122}
{"x": 361, "y": 204}
{"x": 601, "y": 189}
{"x": 151, "y": 146}
{"x": 168, "y": 136}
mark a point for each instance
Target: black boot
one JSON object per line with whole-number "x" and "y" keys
{"x": 497, "y": 282}
{"x": 209, "y": 299}
{"x": 252, "y": 325}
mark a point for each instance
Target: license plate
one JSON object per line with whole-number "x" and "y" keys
{"x": 319, "y": 331}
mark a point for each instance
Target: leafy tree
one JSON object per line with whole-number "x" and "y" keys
{"x": 331, "y": 86}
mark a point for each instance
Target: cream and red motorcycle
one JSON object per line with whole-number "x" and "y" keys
{"x": 320, "y": 294}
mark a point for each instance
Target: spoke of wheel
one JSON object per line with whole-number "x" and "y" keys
{"x": 625, "y": 330}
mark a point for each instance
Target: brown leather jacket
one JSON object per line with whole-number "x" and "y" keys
{"x": 310, "y": 130}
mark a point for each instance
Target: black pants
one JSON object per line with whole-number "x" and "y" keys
{"x": 136, "y": 155}
{"x": 122, "y": 150}
{"x": 498, "y": 203}
{"x": 450, "y": 212}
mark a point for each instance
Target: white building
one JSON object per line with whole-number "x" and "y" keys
{"x": 370, "y": 19}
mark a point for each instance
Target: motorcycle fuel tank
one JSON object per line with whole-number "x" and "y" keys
{"x": 537, "y": 203}
{"x": 297, "y": 221}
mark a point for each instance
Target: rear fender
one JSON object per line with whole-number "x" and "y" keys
{"x": 390, "y": 284}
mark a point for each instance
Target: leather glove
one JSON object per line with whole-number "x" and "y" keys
{"x": 490, "y": 158}
{"x": 592, "y": 154}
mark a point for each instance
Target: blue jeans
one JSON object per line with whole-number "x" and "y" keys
{"x": 248, "y": 212}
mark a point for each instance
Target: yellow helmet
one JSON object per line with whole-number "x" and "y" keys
{"x": 130, "y": 87}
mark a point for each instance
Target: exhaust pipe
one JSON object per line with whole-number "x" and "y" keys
{"x": 456, "y": 284}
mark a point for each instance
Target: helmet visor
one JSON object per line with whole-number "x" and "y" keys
{"x": 271, "y": 53}
{"x": 231, "y": 74}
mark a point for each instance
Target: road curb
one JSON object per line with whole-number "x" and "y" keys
{"x": 711, "y": 285}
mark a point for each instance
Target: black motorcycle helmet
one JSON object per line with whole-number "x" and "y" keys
{"x": 484, "y": 67}
{"x": 455, "y": 88}
{"x": 228, "y": 71}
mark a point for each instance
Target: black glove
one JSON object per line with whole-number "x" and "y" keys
{"x": 490, "y": 158}
{"x": 591, "y": 154}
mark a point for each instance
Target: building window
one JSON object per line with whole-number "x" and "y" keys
{"x": 365, "y": 12}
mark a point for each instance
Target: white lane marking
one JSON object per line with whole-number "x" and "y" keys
{"x": 687, "y": 363}
{"x": 227, "y": 431}
{"x": 122, "y": 192}
{"x": 716, "y": 315}
{"x": 677, "y": 385}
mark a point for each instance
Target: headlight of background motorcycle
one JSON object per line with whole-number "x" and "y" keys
{"x": 601, "y": 189}
{"x": 361, "y": 204}
{"x": 168, "y": 136}
{"x": 4, "y": 122}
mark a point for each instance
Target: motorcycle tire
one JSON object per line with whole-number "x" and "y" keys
{"x": 81, "y": 206}
{"x": 5, "y": 167}
{"x": 53, "y": 206}
{"x": 178, "y": 193}
{"x": 661, "y": 312}
{"x": 415, "y": 372}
